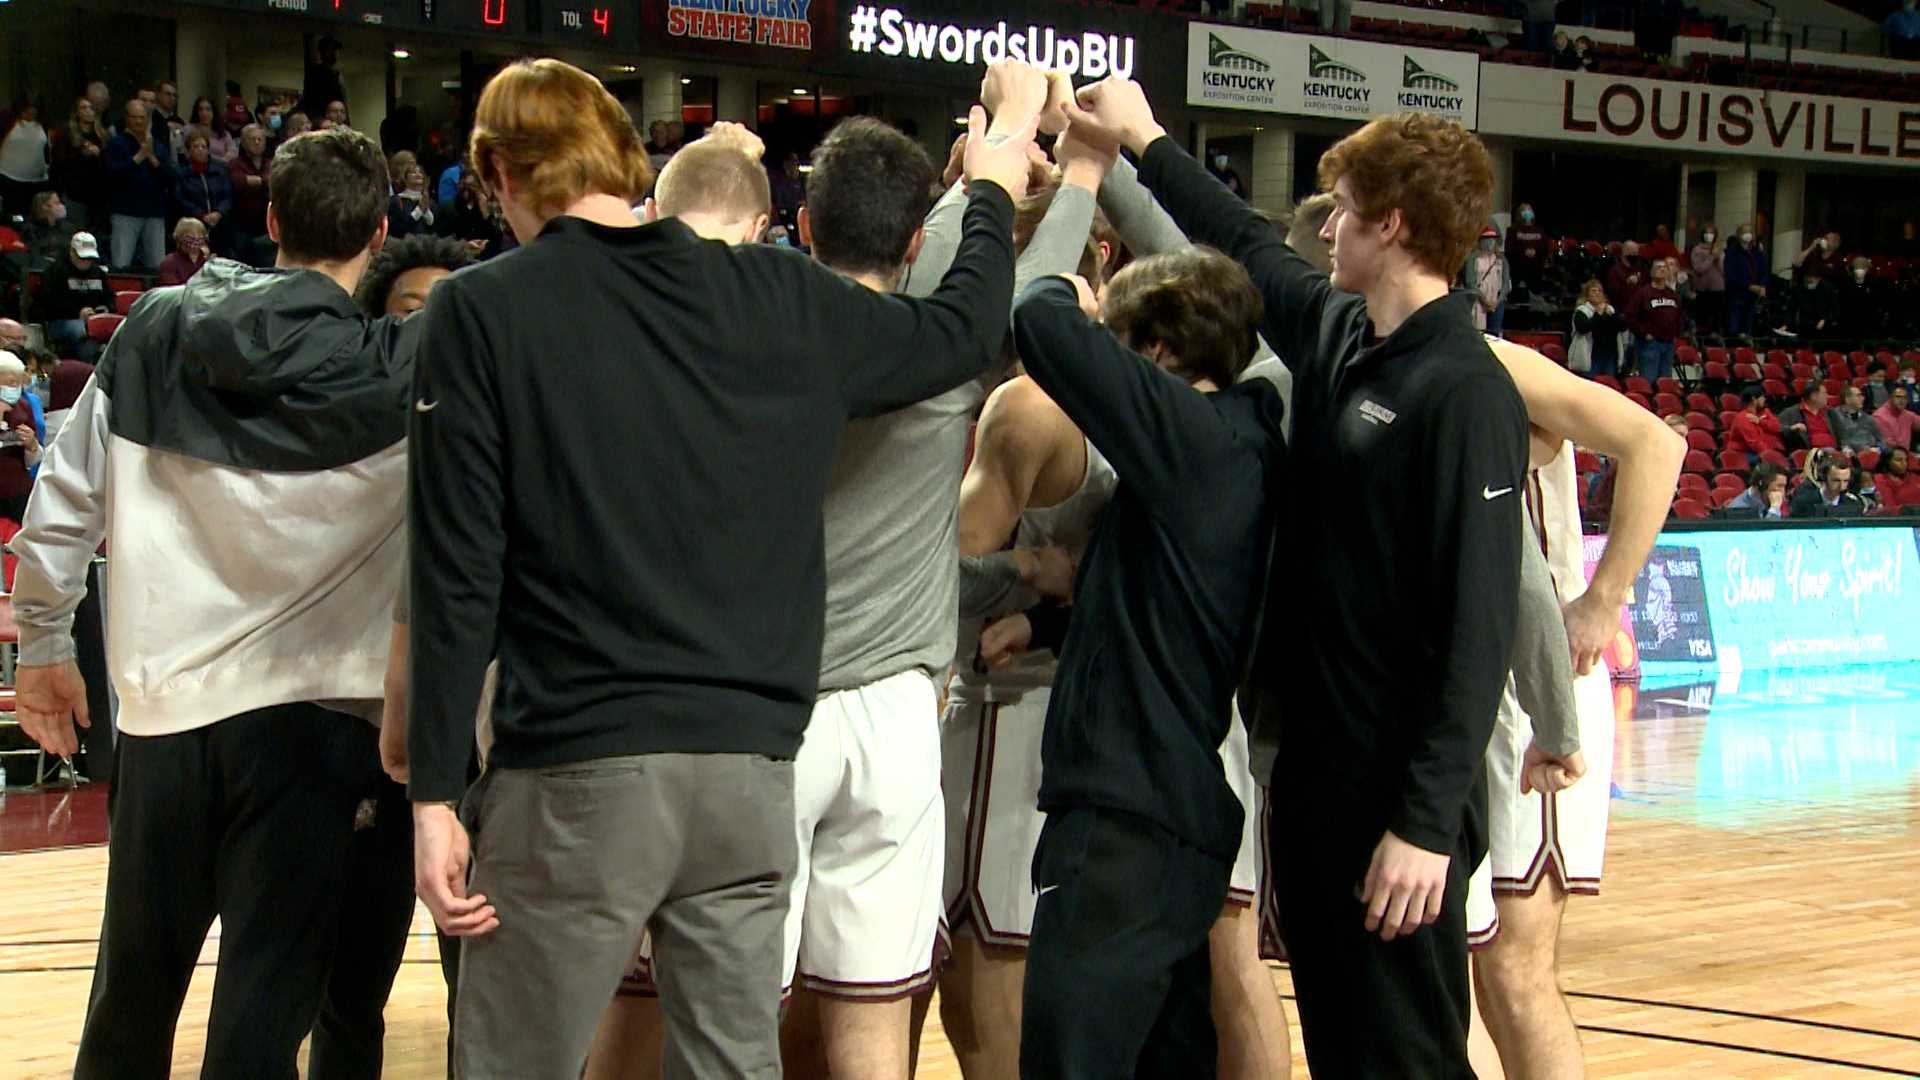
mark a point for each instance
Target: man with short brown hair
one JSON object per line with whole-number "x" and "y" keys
{"x": 1391, "y": 644}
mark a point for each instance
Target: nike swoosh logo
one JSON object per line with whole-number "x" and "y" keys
{"x": 1045, "y": 889}
{"x": 1489, "y": 494}
{"x": 423, "y": 405}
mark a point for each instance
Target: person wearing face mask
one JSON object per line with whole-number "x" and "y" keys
{"x": 1707, "y": 260}
{"x": 1902, "y": 29}
{"x": 1628, "y": 274}
{"x": 1487, "y": 276}
{"x": 203, "y": 188}
{"x": 1822, "y": 254}
{"x": 22, "y": 433}
{"x": 1527, "y": 249}
{"x": 1746, "y": 270}
{"x": 190, "y": 252}
{"x": 1222, "y": 166}
{"x": 1860, "y": 312}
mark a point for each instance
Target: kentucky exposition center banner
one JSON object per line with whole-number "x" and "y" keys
{"x": 1774, "y": 597}
{"x": 1233, "y": 67}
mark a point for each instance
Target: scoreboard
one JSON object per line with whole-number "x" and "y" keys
{"x": 610, "y": 24}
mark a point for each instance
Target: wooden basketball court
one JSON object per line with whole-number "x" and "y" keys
{"x": 1758, "y": 917}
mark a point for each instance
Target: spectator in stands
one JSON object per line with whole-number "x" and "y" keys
{"x": 272, "y": 118}
{"x": 237, "y": 117}
{"x": 1706, "y": 260}
{"x": 1657, "y": 317}
{"x": 102, "y": 102}
{"x": 471, "y": 218}
{"x": 1809, "y": 424}
{"x": 1628, "y": 275}
{"x": 1909, "y": 245}
{"x": 1564, "y": 58}
{"x": 142, "y": 187}
{"x": 1853, "y": 426}
{"x": 1822, "y": 254}
{"x": 1747, "y": 271}
{"x": 80, "y": 163}
{"x": 203, "y": 188}
{"x": 1600, "y": 337}
{"x": 1826, "y": 495}
{"x": 335, "y": 116}
{"x": 1527, "y": 249}
{"x": 72, "y": 292}
{"x": 1336, "y": 16}
{"x": 163, "y": 106}
{"x": 26, "y": 158}
{"x": 48, "y": 231}
{"x": 1755, "y": 428}
{"x": 1583, "y": 53}
{"x": 298, "y": 123}
{"x": 248, "y": 174}
{"x": 1896, "y": 486}
{"x": 1860, "y": 311}
{"x": 13, "y": 337}
{"x": 398, "y": 165}
{"x": 1878, "y": 388}
{"x": 410, "y": 211}
{"x": 656, "y": 139}
{"x": 190, "y": 252}
{"x": 1896, "y": 421}
{"x": 22, "y": 433}
{"x": 1681, "y": 282}
{"x": 1765, "y": 497}
{"x": 1487, "y": 277}
{"x": 1811, "y": 312}
{"x": 1661, "y": 246}
{"x": 67, "y": 379}
{"x": 220, "y": 145}
{"x": 789, "y": 191}
{"x": 323, "y": 83}
{"x": 1678, "y": 424}
{"x": 1221, "y": 166}
{"x": 1902, "y": 29}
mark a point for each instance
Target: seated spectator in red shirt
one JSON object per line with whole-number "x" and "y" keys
{"x": 1810, "y": 424}
{"x": 190, "y": 252}
{"x": 1897, "y": 487}
{"x": 1755, "y": 429}
{"x": 1661, "y": 246}
{"x": 1895, "y": 421}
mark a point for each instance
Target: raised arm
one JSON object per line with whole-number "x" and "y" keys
{"x": 939, "y": 241}
{"x": 1648, "y": 455}
{"x": 1147, "y": 423}
{"x": 1115, "y": 113}
{"x": 1143, "y": 224}
{"x": 1010, "y": 448}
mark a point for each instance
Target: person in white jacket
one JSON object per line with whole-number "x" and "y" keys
{"x": 242, "y": 448}
{"x": 1600, "y": 339}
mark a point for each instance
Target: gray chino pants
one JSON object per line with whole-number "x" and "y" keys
{"x": 577, "y": 860}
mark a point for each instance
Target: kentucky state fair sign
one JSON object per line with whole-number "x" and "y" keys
{"x": 1232, "y": 67}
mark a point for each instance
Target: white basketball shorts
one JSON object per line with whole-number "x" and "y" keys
{"x": 990, "y": 763}
{"x": 1532, "y": 836}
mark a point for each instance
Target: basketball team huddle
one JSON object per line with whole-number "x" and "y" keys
{"x": 1066, "y": 592}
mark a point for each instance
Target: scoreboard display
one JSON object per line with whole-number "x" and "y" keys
{"x": 606, "y": 24}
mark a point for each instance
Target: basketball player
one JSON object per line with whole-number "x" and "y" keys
{"x": 1391, "y": 619}
{"x": 1035, "y": 479}
{"x": 377, "y": 909}
{"x": 1548, "y": 842}
{"x": 228, "y": 422}
{"x": 716, "y": 186}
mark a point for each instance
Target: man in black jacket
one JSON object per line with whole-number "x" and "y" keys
{"x": 1389, "y": 625}
{"x": 1142, "y": 829}
{"x": 1827, "y": 496}
{"x": 654, "y": 592}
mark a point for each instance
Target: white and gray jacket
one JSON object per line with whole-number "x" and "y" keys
{"x": 242, "y": 450}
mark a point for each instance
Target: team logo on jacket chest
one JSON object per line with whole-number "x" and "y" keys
{"x": 1377, "y": 413}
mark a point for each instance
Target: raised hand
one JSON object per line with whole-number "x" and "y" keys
{"x": 1000, "y": 158}
{"x": 1114, "y": 112}
{"x": 1013, "y": 93}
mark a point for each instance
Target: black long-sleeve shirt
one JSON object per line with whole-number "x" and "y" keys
{"x": 1166, "y": 597}
{"x": 639, "y": 540}
{"x": 1390, "y": 611}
